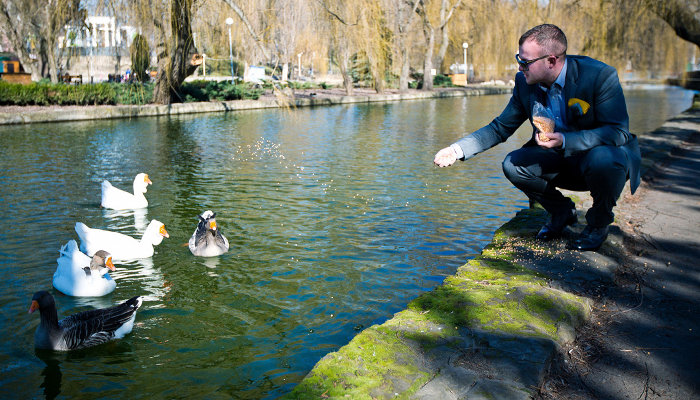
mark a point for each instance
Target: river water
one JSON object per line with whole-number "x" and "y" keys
{"x": 336, "y": 218}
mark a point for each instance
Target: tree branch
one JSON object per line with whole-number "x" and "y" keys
{"x": 243, "y": 18}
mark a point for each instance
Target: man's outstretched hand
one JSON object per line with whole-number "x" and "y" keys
{"x": 445, "y": 157}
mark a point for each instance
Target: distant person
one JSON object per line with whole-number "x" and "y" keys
{"x": 590, "y": 148}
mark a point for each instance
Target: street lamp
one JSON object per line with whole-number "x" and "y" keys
{"x": 466, "y": 68}
{"x": 229, "y": 22}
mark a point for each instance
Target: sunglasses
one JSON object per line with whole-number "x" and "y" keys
{"x": 525, "y": 64}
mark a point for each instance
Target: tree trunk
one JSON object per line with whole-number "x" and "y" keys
{"x": 405, "y": 70}
{"x": 176, "y": 58}
{"x": 440, "y": 58}
{"x": 345, "y": 70}
{"x": 428, "y": 62}
{"x": 16, "y": 39}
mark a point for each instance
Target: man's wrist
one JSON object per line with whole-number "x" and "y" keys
{"x": 458, "y": 150}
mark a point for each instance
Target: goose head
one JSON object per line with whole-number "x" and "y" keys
{"x": 155, "y": 232}
{"x": 100, "y": 262}
{"x": 207, "y": 220}
{"x": 42, "y": 300}
{"x": 141, "y": 183}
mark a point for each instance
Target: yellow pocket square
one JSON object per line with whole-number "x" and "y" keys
{"x": 580, "y": 106}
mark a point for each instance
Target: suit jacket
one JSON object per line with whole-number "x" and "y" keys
{"x": 596, "y": 114}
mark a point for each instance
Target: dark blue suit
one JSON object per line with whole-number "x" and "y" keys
{"x": 599, "y": 155}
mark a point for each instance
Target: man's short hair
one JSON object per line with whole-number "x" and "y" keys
{"x": 548, "y": 36}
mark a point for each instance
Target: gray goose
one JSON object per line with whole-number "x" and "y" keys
{"x": 84, "y": 329}
{"x": 207, "y": 240}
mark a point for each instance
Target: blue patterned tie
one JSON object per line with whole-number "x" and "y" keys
{"x": 556, "y": 101}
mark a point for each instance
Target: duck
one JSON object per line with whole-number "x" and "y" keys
{"x": 118, "y": 199}
{"x": 122, "y": 247}
{"x": 207, "y": 240}
{"x": 81, "y": 276}
{"x": 84, "y": 329}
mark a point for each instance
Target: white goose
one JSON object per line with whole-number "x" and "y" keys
{"x": 207, "y": 240}
{"x": 79, "y": 275}
{"x": 121, "y": 246}
{"x": 118, "y": 199}
{"x": 81, "y": 330}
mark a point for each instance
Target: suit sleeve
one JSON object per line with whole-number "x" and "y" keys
{"x": 500, "y": 129}
{"x": 611, "y": 119}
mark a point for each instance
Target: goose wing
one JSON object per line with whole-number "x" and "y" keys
{"x": 90, "y": 328}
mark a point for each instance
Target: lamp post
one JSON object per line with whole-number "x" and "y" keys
{"x": 466, "y": 68}
{"x": 229, "y": 22}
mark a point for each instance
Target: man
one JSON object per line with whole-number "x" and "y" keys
{"x": 591, "y": 148}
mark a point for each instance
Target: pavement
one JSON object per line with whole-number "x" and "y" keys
{"x": 531, "y": 320}
{"x": 643, "y": 338}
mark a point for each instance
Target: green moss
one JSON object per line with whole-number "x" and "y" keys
{"x": 363, "y": 367}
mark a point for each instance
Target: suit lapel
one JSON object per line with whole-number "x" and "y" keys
{"x": 570, "y": 86}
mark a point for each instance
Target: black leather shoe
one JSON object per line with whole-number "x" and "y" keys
{"x": 555, "y": 226}
{"x": 590, "y": 239}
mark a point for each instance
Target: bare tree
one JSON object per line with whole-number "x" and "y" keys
{"x": 42, "y": 23}
{"x": 429, "y": 28}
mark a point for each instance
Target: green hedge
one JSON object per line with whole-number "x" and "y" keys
{"x": 44, "y": 94}
{"x": 218, "y": 91}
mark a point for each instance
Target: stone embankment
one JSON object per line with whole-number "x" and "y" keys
{"x": 492, "y": 329}
{"x": 300, "y": 98}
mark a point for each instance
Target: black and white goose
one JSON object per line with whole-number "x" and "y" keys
{"x": 81, "y": 330}
{"x": 207, "y": 240}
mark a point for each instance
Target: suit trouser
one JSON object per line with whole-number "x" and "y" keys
{"x": 601, "y": 170}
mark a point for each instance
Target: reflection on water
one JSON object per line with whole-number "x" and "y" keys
{"x": 336, "y": 218}
{"x": 117, "y": 220}
{"x": 51, "y": 383}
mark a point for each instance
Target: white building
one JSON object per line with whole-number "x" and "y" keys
{"x": 103, "y": 32}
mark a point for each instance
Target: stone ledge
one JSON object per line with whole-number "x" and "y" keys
{"x": 82, "y": 113}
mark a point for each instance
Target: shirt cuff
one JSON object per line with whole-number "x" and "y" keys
{"x": 457, "y": 150}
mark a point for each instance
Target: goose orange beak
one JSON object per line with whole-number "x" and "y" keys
{"x": 212, "y": 225}
{"x": 147, "y": 180}
{"x": 163, "y": 232}
{"x": 109, "y": 264}
{"x": 33, "y": 307}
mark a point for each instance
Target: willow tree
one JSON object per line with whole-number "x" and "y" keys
{"x": 342, "y": 20}
{"x": 402, "y": 12}
{"x": 682, "y": 15}
{"x": 426, "y": 10}
{"x": 42, "y": 23}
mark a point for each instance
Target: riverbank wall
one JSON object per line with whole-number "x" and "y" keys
{"x": 492, "y": 329}
{"x": 305, "y": 98}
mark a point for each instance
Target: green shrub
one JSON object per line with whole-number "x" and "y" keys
{"x": 139, "y": 52}
{"x": 218, "y": 91}
{"x": 134, "y": 93}
{"x": 442, "y": 80}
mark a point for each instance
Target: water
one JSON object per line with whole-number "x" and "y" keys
{"x": 336, "y": 217}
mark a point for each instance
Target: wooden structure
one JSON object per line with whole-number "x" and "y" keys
{"x": 11, "y": 70}
{"x": 77, "y": 79}
{"x": 459, "y": 79}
